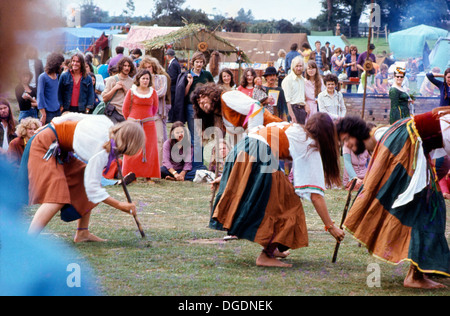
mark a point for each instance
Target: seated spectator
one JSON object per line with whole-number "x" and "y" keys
{"x": 177, "y": 155}
{"x": 217, "y": 161}
{"x": 331, "y": 101}
{"x": 24, "y": 131}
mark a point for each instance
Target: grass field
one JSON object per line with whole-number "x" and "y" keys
{"x": 182, "y": 256}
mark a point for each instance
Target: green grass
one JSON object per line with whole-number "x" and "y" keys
{"x": 380, "y": 44}
{"x": 182, "y": 256}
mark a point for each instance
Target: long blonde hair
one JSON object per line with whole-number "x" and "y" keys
{"x": 128, "y": 136}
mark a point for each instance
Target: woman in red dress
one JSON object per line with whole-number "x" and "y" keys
{"x": 141, "y": 105}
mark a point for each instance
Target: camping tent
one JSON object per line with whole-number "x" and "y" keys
{"x": 440, "y": 55}
{"x": 262, "y": 48}
{"x": 139, "y": 34}
{"x": 412, "y": 42}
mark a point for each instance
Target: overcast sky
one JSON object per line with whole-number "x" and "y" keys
{"x": 297, "y": 10}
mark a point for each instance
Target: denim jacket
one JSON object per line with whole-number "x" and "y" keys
{"x": 65, "y": 87}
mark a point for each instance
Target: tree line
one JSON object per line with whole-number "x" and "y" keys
{"x": 396, "y": 14}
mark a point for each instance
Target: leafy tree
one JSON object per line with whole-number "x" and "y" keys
{"x": 91, "y": 13}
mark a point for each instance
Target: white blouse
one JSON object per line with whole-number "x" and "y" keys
{"x": 309, "y": 176}
{"x": 91, "y": 133}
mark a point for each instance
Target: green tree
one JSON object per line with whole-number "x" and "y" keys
{"x": 91, "y": 13}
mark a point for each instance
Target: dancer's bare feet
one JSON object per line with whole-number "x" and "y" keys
{"x": 86, "y": 236}
{"x": 417, "y": 280}
{"x": 265, "y": 261}
{"x": 278, "y": 254}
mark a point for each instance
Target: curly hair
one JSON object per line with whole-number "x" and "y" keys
{"x": 212, "y": 91}
{"x": 26, "y": 123}
{"x": 355, "y": 127}
{"x": 122, "y": 62}
{"x": 54, "y": 62}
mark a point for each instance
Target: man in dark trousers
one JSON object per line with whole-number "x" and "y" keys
{"x": 174, "y": 70}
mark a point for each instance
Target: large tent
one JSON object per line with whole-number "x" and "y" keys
{"x": 440, "y": 55}
{"x": 262, "y": 48}
{"x": 139, "y": 34}
{"x": 412, "y": 42}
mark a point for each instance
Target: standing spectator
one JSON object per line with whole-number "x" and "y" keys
{"x": 280, "y": 65}
{"x": 328, "y": 53}
{"x": 214, "y": 65}
{"x": 306, "y": 53}
{"x": 34, "y": 64}
{"x": 226, "y": 80}
{"x": 277, "y": 101}
{"x": 337, "y": 62}
{"x": 313, "y": 86}
{"x": 136, "y": 55}
{"x": 161, "y": 82}
{"x": 75, "y": 89}
{"x": 97, "y": 94}
{"x": 290, "y": 56}
{"x": 444, "y": 87}
{"x": 7, "y": 125}
{"x": 174, "y": 70}
{"x": 141, "y": 106}
{"x": 117, "y": 86}
{"x": 26, "y": 96}
{"x": 399, "y": 97}
{"x": 183, "y": 105}
{"x": 331, "y": 101}
{"x": 24, "y": 131}
{"x": 247, "y": 81}
{"x": 319, "y": 57}
{"x": 294, "y": 91}
{"x": 367, "y": 55}
{"x": 350, "y": 64}
{"x": 115, "y": 60}
{"x": 47, "y": 92}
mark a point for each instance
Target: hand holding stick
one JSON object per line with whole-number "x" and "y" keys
{"x": 344, "y": 216}
{"x": 125, "y": 189}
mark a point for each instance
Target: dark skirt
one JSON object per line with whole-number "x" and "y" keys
{"x": 414, "y": 232}
{"x": 256, "y": 201}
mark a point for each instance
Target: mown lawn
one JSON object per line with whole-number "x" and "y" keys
{"x": 182, "y": 256}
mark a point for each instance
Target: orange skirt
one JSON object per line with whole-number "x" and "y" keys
{"x": 51, "y": 182}
{"x": 149, "y": 168}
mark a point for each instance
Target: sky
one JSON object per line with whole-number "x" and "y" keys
{"x": 292, "y": 10}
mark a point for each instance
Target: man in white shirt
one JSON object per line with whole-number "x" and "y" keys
{"x": 294, "y": 90}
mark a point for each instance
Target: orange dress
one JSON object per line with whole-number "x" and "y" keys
{"x": 142, "y": 109}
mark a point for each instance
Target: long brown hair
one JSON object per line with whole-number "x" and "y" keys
{"x": 321, "y": 128}
{"x": 10, "y": 120}
{"x": 317, "y": 79}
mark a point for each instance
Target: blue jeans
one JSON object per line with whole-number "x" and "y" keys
{"x": 28, "y": 113}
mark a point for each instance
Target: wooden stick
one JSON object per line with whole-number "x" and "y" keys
{"x": 344, "y": 216}
{"x": 125, "y": 189}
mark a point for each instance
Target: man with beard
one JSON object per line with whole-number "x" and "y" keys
{"x": 294, "y": 90}
{"x": 399, "y": 212}
{"x": 116, "y": 88}
{"x": 277, "y": 101}
{"x": 7, "y": 125}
